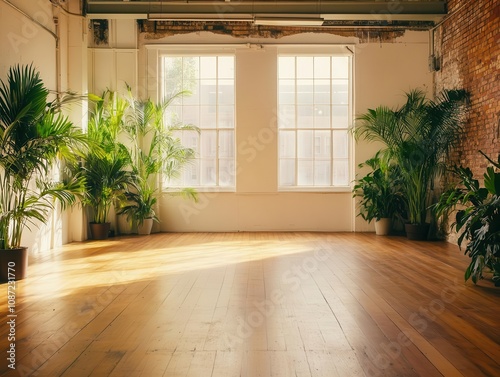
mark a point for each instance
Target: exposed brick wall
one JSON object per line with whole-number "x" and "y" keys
{"x": 468, "y": 43}
{"x": 161, "y": 29}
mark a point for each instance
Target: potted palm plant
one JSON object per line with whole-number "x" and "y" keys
{"x": 380, "y": 193}
{"x": 418, "y": 137}
{"x": 34, "y": 134}
{"x": 477, "y": 218}
{"x": 156, "y": 153}
{"x": 106, "y": 166}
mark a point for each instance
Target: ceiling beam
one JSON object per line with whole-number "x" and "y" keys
{"x": 227, "y": 10}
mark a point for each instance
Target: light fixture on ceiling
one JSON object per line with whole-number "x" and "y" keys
{"x": 288, "y": 21}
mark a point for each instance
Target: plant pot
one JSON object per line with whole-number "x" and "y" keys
{"x": 383, "y": 226}
{"x": 17, "y": 261}
{"x": 417, "y": 232}
{"x": 145, "y": 227}
{"x": 99, "y": 231}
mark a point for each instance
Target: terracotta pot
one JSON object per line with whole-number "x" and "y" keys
{"x": 383, "y": 227}
{"x": 146, "y": 227}
{"x": 99, "y": 231}
{"x": 417, "y": 232}
{"x": 17, "y": 261}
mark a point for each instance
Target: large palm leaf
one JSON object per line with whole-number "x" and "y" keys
{"x": 418, "y": 135}
{"x": 33, "y": 135}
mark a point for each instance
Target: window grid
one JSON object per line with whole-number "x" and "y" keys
{"x": 200, "y": 174}
{"x": 315, "y": 159}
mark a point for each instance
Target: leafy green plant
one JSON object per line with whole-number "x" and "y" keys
{"x": 156, "y": 153}
{"x": 418, "y": 136}
{"x": 107, "y": 165}
{"x": 477, "y": 218}
{"x": 34, "y": 136}
{"x": 139, "y": 206}
{"x": 380, "y": 190}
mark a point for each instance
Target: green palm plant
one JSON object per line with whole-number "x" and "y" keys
{"x": 107, "y": 165}
{"x": 418, "y": 137}
{"x": 156, "y": 152}
{"x": 34, "y": 135}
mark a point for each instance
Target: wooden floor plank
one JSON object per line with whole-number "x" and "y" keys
{"x": 253, "y": 304}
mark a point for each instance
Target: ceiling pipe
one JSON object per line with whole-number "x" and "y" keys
{"x": 359, "y": 10}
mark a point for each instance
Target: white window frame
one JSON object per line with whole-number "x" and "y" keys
{"x": 341, "y": 51}
{"x": 161, "y": 80}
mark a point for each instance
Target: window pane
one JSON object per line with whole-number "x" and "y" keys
{"x": 208, "y": 172}
{"x": 287, "y": 172}
{"x": 340, "y": 92}
{"x": 208, "y": 91}
{"x": 322, "y": 172}
{"x": 226, "y": 67}
{"x": 322, "y": 144}
{"x": 191, "y": 139}
{"x": 305, "y": 169}
{"x": 322, "y": 92}
{"x": 341, "y": 173}
{"x": 305, "y": 67}
{"x": 286, "y": 92}
{"x": 340, "y": 67}
{"x": 226, "y": 144}
{"x": 226, "y": 92}
{"x": 322, "y": 67}
{"x": 305, "y": 92}
{"x": 340, "y": 144}
{"x": 208, "y": 67}
{"x": 322, "y": 116}
{"x": 226, "y": 172}
{"x": 305, "y": 144}
{"x": 305, "y": 116}
{"x": 286, "y": 116}
{"x": 286, "y": 67}
{"x": 191, "y": 115}
{"x": 208, "y": 117}
{"x": 193, "y": 97}
{"x": 287, "y": 144}
{"x": 226, "y": 116}
{"x": 340, "y": 116}
{"x": 208, "y": 145}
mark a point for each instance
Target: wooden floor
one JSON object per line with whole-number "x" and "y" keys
{"x": 253, "y": 304}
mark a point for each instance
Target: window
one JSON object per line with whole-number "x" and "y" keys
{"x": 208, "y": 104}
{"x": 314, "y": 99}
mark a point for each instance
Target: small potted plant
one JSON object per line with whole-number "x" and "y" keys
{"x": 139, "y": 209}
{"x": 34, "y": 135}
{"x": 477, "y": 218}
{"x": 380, "y": 193}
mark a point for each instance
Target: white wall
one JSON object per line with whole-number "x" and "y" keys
{"x": 382, "y": 73}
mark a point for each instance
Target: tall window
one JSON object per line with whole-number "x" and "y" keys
{"x": 314, "y": 98}
{"x": 208, "y": 103}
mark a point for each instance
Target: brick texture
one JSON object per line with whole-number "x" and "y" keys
{"x": 468, "y": 44}
{"x": 155, "y": 30}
